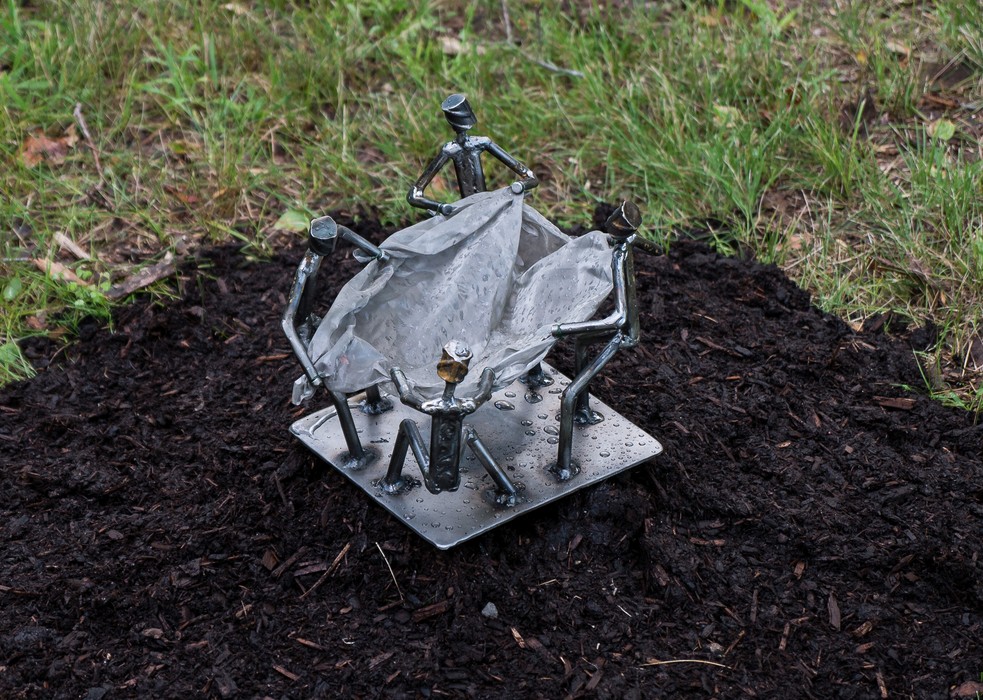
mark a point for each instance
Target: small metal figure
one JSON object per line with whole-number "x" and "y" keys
{"x": 299, "y": 323}
{"x": 465, "y": 152}
{"x": 620, "y": 329}
{"x": 441, "y": 465}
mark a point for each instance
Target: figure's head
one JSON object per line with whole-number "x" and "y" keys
{"x": 454, "y": 362}
{"x": 458, "y": 112}
{"x": 624, "y": 221}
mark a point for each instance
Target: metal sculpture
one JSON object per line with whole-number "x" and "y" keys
{"x": 531, "y": 451}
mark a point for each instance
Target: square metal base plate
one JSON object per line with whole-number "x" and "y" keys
{"x": 518, "y": 426}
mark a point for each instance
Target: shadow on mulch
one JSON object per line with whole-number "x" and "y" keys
{"x": 810, "y": 530}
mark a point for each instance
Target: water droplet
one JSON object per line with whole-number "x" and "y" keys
{"x": 542, "y": 416}
{"x": 510, "y": 394}
{"x": 605, "y": 454}
{"x": 556, "y": 391}
{"x": 419, "y": 500}
{"x": 504, "y": 406}
{"x": 551, "y": 430}
{"x": 552, "y": 440}
{"x": 533, "y": 397}
{"x": 629, "y": 444}
{"x": 530, "y": 432}
{"x": 434, "y": 524}
{"x": 525, "y": 422}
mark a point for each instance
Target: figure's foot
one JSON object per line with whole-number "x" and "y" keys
{"x": 504, "y": 499}
{"x": 536, "y": 377}
{"x": 586, "y": 416}
{"x": 357, "y": 463}
{"x": 377, "y": 407}
{"x": 565, "y": 473}
{"x": 393, "y": 488}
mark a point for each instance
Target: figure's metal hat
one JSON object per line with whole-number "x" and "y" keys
{"x": 458, "y": 112}
{"x": 624, "y": 221}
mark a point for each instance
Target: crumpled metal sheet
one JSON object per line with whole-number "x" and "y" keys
{"x": 495, "y": 274}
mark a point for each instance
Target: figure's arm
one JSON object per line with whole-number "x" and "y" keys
{"x": 406, "y": 394}
{"x": 528, "y": 179}
{"x": 617, "y": 320}
{"x": 416, "y": 195}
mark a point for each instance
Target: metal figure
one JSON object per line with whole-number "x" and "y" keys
{"x": 465, "y": 152}
{"x": 441, "y": 464}
{"x": 620, "y": 329}
{"x": 299, "y": 323}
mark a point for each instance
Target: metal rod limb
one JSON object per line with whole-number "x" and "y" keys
{"x": 583, "y": 415}
{"x": 495, "y": 471}
{"x": 375, "y": 403}
{"x": 354, "y": 445}
{"x": 407, "y": 436}
{"x": 564, "y": 467}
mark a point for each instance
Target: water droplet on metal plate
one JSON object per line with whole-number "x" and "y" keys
{"x": 504, "y": 406}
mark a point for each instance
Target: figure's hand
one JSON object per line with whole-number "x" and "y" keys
{"x": 517, "y": 187}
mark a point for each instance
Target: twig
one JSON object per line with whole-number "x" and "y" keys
{"x": 513, "y": 44}
{"x": 550, "y": 66}
{"x": 390, "y": 570}
{"x": 88, "y": 140}
{"x": 656, "y": 662}
{"x": 331, "y": 569}
{"x": 507, "y": 21}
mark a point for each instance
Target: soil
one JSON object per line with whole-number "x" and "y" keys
{"x": 811, "y": 530}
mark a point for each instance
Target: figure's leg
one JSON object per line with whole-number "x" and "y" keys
{"x": 506, "y": 491}
{"x": 536, "y": 377}
{"x": 565, "y": 468}
{"x": 358, "y": 456}
{"x": 375, "y": 403}
{"x": 407, "y": 437}
{"x": 583, "y": 415}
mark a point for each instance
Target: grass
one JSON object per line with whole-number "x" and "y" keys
{"x": 831, "y": 138}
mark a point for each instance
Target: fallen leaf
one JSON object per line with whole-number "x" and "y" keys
{"x": 451, "y": 45}
{"x": 898, "y": 48}
{"x": 38, "y": 147}
{"x": 968, "y": 689}
{"x": 293, "y": 220}
{"x": 942, "y": 129}
{"x": 12, "y": 289}
{"x": 725, "y": 115}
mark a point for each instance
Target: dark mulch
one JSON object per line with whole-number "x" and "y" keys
{"x": 811, "y": 527}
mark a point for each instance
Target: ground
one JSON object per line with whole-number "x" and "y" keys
{"x": 811, "y": 530}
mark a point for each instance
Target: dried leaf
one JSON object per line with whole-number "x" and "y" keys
{"x": 38, "y": 147}
{"x": 898, "y": 48}
{"x": 726, "y": 116}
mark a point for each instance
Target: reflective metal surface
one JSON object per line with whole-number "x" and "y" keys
{"x": 518, "y": 426}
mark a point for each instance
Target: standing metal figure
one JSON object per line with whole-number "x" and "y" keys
{"x": 465, "y": 152}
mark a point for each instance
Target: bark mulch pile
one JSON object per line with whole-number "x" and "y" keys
{"x": 811, "y": 530}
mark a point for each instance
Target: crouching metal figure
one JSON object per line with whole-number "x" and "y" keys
{"x": 299, "y": 323}
{"x": 620, "y": 330}
{"x": 441, "y": 465}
